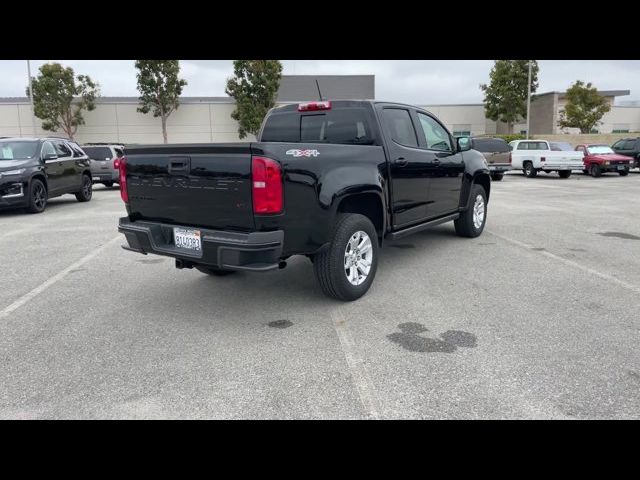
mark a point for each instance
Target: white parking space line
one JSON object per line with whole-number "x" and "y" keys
{"x": 366, "y": 390}
{"x": 604, "y": 276}
{"x": 53, "y": 280}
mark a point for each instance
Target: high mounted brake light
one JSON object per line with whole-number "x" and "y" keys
{"x": 314, "y": 106}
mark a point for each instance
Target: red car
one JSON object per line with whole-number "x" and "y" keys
{"x": 599, "y": 159}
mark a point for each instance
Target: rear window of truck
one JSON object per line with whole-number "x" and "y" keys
{"x": 348, "y": 126}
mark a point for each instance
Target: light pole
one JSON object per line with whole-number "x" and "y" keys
{"x": 33, "y": 111}
{"x": 528, "y": 99}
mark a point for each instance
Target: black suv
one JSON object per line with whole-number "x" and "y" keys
{"x": 629, "y": 147}
{"x": 32, "y": 170}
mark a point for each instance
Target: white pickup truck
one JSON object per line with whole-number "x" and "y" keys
{"x": 533, "y": 156}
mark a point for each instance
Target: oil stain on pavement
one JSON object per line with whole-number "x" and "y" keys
{"x": 280, "y": 324}
{"x": 625, "y": 236}
{"x": 409, "y": 339}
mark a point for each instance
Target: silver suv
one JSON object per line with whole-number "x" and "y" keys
{"x": 102, "y": 157}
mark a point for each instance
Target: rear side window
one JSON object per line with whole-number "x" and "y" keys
{"x": 398, "y": 123}
{"x": 629, "y": 145}
{"x": 523, "y": 146}
{"x": 98, "y": 153}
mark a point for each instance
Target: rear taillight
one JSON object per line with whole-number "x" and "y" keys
{"x": 509, "y": 158}
{"x": 122, "y": 179}
{"x": 116, "y": 163}
{"x": 266, "y": 177}
{"x": 314, "y": 106}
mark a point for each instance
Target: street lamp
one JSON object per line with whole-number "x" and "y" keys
{"x": 528, "y": 99}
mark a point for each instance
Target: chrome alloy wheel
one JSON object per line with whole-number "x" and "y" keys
{"x": 478, "y": 212}
{"x": 358, "y": 257}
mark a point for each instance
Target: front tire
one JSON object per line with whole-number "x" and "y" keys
{"x": 529, "y": 171}
{"x": 471, "y": 223}
{"x": 624, "y": 173}
{"x": 497, "y": 177}
{"x": 595, "y": 170}
{"x": 85, "y": 193}
{"x": 564, "y": 173}
{"x": 37, "y": 196}
{"x": 346, "y": 269}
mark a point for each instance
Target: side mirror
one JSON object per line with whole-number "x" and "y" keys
{"x": 50, "y": 156}
{"x": 464, "y": 144}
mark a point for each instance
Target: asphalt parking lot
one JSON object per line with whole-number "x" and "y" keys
{"x": 537, "y": 318}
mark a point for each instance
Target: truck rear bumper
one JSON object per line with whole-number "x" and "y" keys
{"x": 255, "y": 251}
{"x": 498, "y": 168}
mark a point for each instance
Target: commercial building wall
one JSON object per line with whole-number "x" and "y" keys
{"x": 209, "y": 119}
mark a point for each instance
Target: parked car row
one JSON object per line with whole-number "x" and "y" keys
{"x": 33, "y": 170}
{"x": 534, "y": 156}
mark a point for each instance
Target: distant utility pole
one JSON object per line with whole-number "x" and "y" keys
{"x": 528, "y": 99}
{"x": 33, "y": 110}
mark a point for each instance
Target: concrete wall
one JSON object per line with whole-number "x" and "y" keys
{"x": 457, "y": 115}
{"x": 121, "y": 122}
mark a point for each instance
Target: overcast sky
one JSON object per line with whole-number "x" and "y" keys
{"x": 418, "y": 82}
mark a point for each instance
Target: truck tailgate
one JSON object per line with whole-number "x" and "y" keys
{"x": 202, "y": 185}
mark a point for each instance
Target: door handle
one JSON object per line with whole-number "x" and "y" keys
{"x": 401, "y": 162}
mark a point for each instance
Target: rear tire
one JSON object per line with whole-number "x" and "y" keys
{"x": 624, "y": 173}
{"x": 108, "y": 184}
{"x": 471, "y": 223}
{"x": 585, "y": 171}
{"x": 595, "y": 171}
{"x": 353, "y": 251}
{"x": 85, "y": 193}
{"x": 497, "y": 177}
{"x": 528, "y": 170}
{"x": 37, "y": 196}
{"x": 215, "y": 271}
{"x": 564, "y": 173}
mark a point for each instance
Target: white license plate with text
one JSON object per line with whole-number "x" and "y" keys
{"x": 187, "y": 238}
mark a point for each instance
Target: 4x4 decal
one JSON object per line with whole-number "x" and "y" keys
{"x": 303, "y": 153}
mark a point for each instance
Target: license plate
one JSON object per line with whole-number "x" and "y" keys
{"x": 620, "y": 167}
{"x": 187, "y": 238}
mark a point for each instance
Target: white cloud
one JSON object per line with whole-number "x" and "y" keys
{"x": 412, "y": 81}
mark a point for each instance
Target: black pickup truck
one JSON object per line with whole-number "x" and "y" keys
{"x": 331, "y": 180}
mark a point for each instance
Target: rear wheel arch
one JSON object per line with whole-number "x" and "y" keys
{"x": 368, "y": 204}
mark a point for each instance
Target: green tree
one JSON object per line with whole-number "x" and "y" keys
{"x": 255, "y": 88}
{"x": 505, "y": 98}
{"x": 160, "y": 88}
{"x": 584, "y": 109}
{"x": 59, "y": 98}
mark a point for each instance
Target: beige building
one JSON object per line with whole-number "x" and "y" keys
{"x": 546, "y": 108}
{"x": 208, "y": 119}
